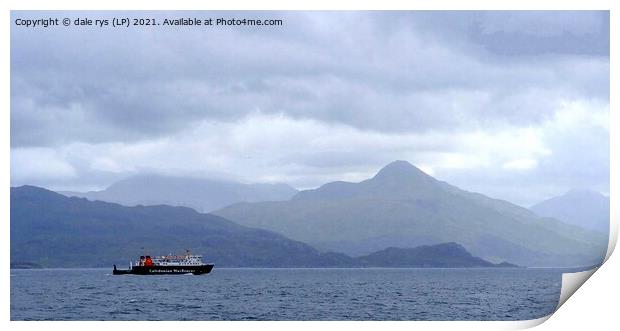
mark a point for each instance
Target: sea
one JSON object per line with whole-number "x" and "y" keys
{"x": 287, "y": 294}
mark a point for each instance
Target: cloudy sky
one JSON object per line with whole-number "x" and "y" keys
{"x": 514, "y": 105}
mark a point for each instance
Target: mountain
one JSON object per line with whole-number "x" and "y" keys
{"x": 203, "y": 195}
{"x": 403, "y": 206}
{"x": 584, "y": 208}
{"x": 445, "y": 255}
{"x": 51, "y": 230}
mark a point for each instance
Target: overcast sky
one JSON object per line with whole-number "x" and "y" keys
{"x": 514, "y": 105}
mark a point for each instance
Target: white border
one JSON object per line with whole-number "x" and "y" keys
{"x": 595, "y": 306}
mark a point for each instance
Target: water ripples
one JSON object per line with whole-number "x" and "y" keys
{"x": 287, "y": 294}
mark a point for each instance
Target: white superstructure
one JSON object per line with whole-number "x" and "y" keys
{"x": 170, "y": 260}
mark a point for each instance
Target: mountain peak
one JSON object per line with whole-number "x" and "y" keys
{"x": 582, "y": 192}
{"x": 399, "y": 169}
{"x": 398, "y": 179}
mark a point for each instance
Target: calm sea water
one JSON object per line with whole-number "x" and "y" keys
{"x": 287, "y": 294}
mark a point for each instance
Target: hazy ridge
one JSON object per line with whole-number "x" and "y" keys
{"x": 584, "y": 208}
{"x": 51, "y": 230}
{"x": 403, "y": 206}
{"x": 201, "y": 194}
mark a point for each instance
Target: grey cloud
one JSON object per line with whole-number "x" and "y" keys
{"x": 342, "y": 67}
{"x": 379, "y": 74}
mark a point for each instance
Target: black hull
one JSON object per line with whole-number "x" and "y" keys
{"x": 165, "y": 270}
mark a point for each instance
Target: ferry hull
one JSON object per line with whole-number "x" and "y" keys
{"x": 165, "y": 270}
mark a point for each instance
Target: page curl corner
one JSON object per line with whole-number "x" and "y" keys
{"x": 571, "y": 282}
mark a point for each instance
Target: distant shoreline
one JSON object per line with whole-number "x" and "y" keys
{"x": 323, "y": 268}
{"x": 575, "y": 268}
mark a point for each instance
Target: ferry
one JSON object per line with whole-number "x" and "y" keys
{"x": 166, "y": 265}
